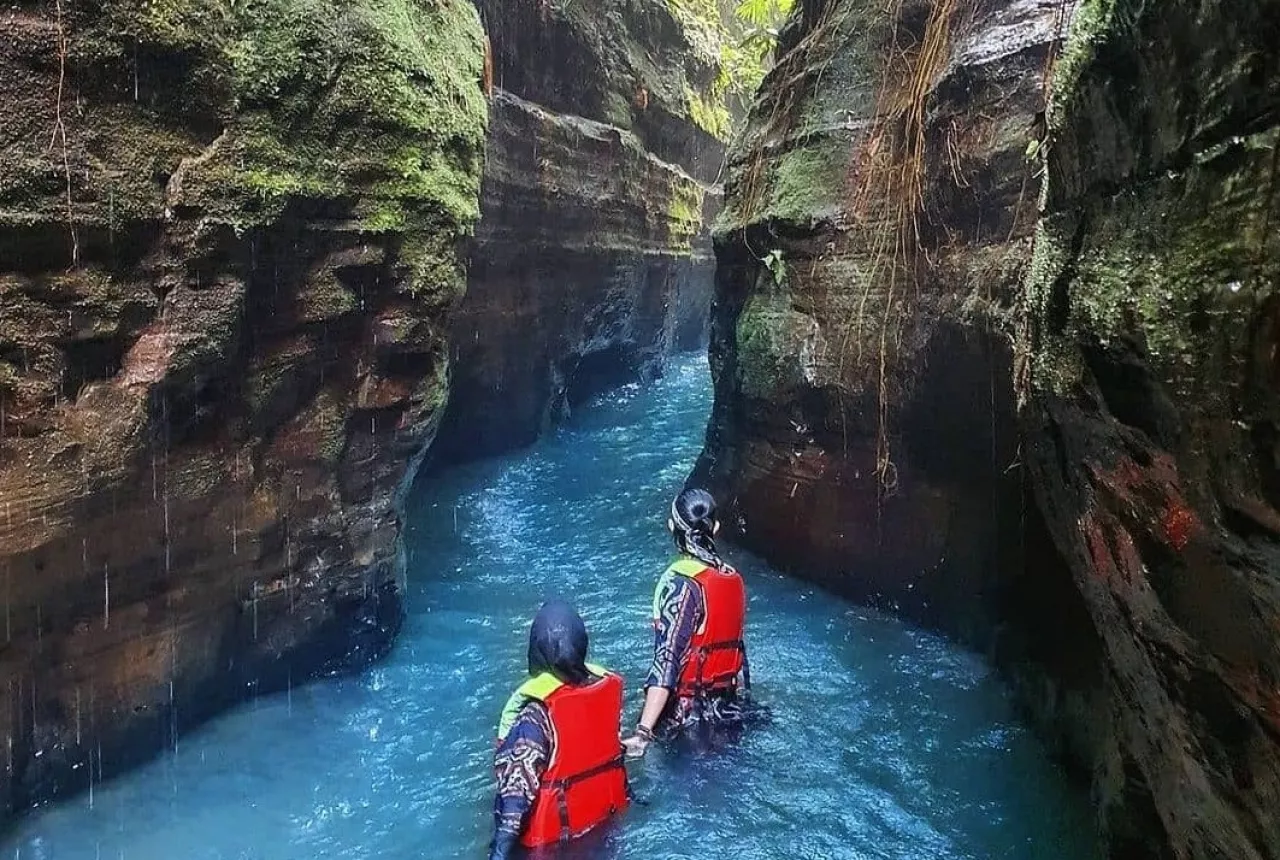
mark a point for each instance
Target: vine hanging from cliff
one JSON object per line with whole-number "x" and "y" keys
{"x": 887, "y": 194}
{"x": 59, "y": 136}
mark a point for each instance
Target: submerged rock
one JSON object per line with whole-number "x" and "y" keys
{"x": 1065, "y": 456}
{"x": 591, "y": 262}
{"x": 230, "y": 237}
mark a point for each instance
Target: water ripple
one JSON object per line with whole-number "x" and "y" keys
{"x": 886, "y": 742}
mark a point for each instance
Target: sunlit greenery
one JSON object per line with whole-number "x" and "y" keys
{"x": 740, "y": 36}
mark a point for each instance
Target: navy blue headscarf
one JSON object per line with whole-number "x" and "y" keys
{"x": 558, "y": 643}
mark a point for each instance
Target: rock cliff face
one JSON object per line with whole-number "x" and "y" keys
{"x": 1151, "y": 409}
{"x": 591, "y": 263}
{"x": 230, "y": 237}
{"x": 1066, "y": 455}
{"x": 878, "y": 220}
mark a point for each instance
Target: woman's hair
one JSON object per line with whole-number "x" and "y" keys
{"x": 693, "y": 526}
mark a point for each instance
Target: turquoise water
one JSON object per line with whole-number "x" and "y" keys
{"x": 886, "y": 741}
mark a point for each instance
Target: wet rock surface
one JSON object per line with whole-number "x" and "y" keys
{"x": 228, "y": 248}
{"x": 1053, "y": 436}
{"x": 1150, "y": 410}
{"x": 874, "y": 238}
{"x": 591, "y": 263}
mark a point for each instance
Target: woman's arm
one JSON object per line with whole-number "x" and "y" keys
{"x": 679, "y": 614}
{"x": 519, "y": 763}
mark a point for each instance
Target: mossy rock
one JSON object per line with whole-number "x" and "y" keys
{"x": 233, "y": 116}
{"x": 776, "y": 346}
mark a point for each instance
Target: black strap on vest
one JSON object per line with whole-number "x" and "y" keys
{"x": 562, "y": 802}
{"x": 563, "y": 785}
{"x": 704, "y": 685}
{"x": 571, "y": 779}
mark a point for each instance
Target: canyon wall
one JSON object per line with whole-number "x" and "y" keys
{"x": 877, "y": 225}
{"x": 234, "y": 240}
{"x": 229, "y": 242}
{"x": 994, "y": 346}
{"x": 591, "y": 262}
{"x": 1148, "y": 372}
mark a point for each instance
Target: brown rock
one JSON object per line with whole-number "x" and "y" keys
{"x": 591, "y": 262}
{"x": 192, "y": 364}
{"x": 865, "y": 429}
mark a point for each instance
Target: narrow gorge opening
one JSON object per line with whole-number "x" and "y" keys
{"x": 884, "y": 740}
{"x": 335, "y": 335}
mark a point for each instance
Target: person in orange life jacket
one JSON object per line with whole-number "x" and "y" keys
{"x": 699, "y": 659}
{"x": 559, "y": 762}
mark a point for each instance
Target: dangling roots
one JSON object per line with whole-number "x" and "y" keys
{"x": 889, "y": 191}
{"x": 59, "y": 136}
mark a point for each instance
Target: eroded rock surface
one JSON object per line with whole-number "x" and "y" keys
{"x": 1151, "y": 410}
{"x": 229, "y": 241}
{"x": 1050, "y": 433}
{"x": 877, "y": 225}
{"x": 591, "y": 262}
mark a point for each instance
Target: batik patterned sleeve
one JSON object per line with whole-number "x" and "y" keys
{"x": 679, "y": 606}
{"x": 519, "y": 764}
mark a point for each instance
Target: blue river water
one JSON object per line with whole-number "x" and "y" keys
{"x": 886, "y": 741}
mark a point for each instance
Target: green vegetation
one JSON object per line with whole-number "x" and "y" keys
{"x": 777, "y": 266}
{"x": 759, "y": 23}
{"x": 739, "y": 36}
{"x": 370, "y": 112}
{"x": 1093, "y": 22}
{"x": 684, "y": 212}
{"x": 775, "y": 344}
{"x": 711, "y": 112}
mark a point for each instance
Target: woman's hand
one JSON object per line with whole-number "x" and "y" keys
{"x": 635, "y": 746}
{"x": 638, "y": 744}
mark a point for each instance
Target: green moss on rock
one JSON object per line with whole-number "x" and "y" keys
{"x": 684, "y": 212}
{"x": 775, "y": 345}
{"x": 369, "y": 112}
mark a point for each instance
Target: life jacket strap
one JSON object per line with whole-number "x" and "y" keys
{"x": 737, "y": 644}
{"x": 710, "y": 685}
{"x": 565, "y": 782}
{"x": 562, "y": 801}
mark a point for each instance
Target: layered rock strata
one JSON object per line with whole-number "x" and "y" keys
{"x": 1149, "y": 382}
{"x": 230, "y": 238}
{"x": 591, "y": 263}
{"x": 878, "y": 219}
{"x": 1048, "y": 432}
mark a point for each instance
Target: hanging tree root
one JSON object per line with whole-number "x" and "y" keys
{"x": 59, "y": 136}
{"x": 888, "y": 196}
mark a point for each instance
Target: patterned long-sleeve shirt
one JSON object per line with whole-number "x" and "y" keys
{"x": 680, "y": 610}
{"x": 519, "y": 763}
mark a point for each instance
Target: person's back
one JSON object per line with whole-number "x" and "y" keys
{"x": 715, "y": 656}
{"x": 699, "y": 611}
{"x": 558, "y": 762}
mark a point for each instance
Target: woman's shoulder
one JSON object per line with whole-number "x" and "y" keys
{"x": 532, "y": 718}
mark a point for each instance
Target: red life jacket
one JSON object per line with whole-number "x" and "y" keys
{"x": 585, "y": 781}
{"x": 716, "y": 651}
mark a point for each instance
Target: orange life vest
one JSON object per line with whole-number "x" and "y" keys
{"x": 716, "y": 651}
{"x": 585, "y": 781}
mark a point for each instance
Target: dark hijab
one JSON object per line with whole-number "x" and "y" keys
{"x": 558, "y": 643}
